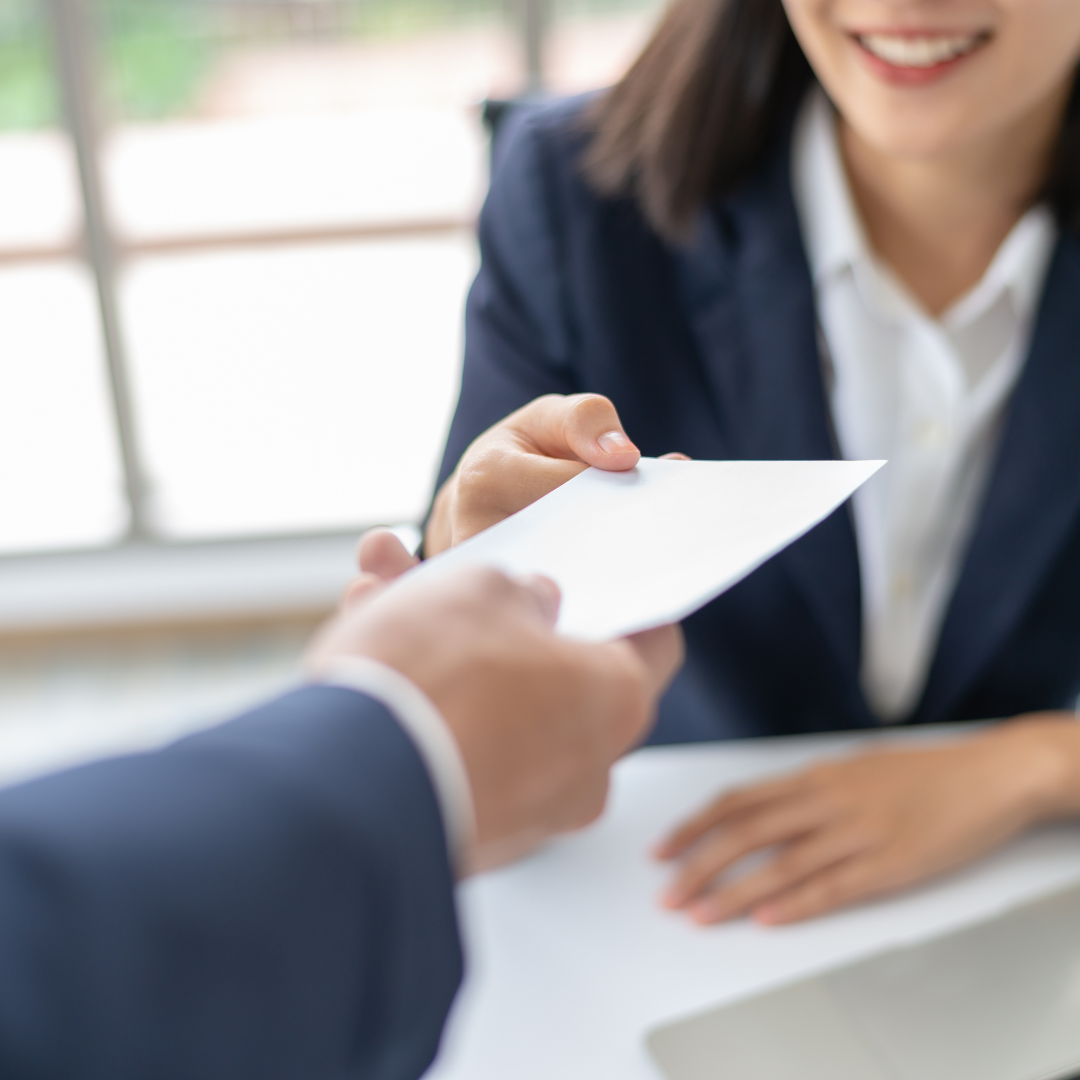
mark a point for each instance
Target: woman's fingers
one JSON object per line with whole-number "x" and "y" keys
{"x": 793, "y": 865}
{"x": 852, "y": 829}
{"x": 523, "y": 458}
{"x": 491, "y": 483}
{"x": 585, "y": 427}
{"x": 381, "y": 553}
{"x": 721, "y": 810}
{"x": 834, "y": 887}
{"x": 774, "y": 824}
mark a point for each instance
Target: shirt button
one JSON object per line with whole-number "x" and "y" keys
{"x": 932, "y": 434}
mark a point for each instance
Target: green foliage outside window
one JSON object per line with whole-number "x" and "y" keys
{"x": 155, "y": 53}
{"x": 28, "y": 96}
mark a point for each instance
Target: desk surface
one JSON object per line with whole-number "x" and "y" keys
{"x": 571, "y": 961}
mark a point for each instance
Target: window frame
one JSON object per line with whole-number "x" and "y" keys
{"x": 103, "y": 252}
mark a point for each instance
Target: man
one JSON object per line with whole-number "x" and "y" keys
{"x": 274, "y": 898}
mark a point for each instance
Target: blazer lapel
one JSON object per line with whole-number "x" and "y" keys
{"x": 748, "y": 295}
{"x": 1032, "y": 500}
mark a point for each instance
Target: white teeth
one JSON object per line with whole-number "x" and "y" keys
{"x": 918, "y": 52}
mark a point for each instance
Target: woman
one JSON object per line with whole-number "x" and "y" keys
{"x": 802, "y": 229}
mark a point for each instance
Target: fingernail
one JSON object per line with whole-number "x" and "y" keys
{"x": 767, "y": 915}
{"x": 615, "y": 442}
{"x": 672, "y": 899}
{"x": 703, "y": 912}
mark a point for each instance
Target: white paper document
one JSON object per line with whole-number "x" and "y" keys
{"x": 635, "y": 550}
{"x": 571, "y": 959}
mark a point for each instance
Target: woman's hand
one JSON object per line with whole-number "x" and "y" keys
{"x": 522, "y": 458}
{"x": 853, "y": 829}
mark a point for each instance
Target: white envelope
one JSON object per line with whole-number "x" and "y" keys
{"x": 635, "y": 550}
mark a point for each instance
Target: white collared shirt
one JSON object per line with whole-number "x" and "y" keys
{"x": 927, "y": 394}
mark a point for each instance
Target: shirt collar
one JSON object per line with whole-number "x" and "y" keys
{"x": 1019, "y": 266}
{"x": 836, "y": 241}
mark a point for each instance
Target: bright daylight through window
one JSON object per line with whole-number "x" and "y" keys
{"x": 235, "y": 241}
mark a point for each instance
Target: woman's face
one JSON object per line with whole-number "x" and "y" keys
{"x": 923, "y": 78}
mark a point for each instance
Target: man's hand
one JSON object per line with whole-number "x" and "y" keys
{"x": 853, "y": 829}
{"x": 539, "y": 720}
{"x": 523, "y": 458}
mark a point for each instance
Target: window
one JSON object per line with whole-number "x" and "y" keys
{"x": 60, "y": 469}
{"x": 231, "y": 298}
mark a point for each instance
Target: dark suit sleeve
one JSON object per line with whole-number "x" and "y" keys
{"x": 518, "y": 337}
{"x": 271, "y": 899}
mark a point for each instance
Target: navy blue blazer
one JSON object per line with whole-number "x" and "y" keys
{"x": 711, "y": 349}
{"x": 271, "y": 900}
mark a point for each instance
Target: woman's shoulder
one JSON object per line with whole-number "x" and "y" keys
{"x": 539, "y": 153}
{"x": 538, "y": 147}
{"x": 559, "y": 126}
{"x": 541, "y": 143}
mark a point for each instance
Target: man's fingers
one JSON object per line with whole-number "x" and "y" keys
{"x": 675, "y": 457}
{"x": 657, "y": 655}
{"x": 644, "y": 664}
{"x": 582, "y": 426}
{"x": 663, "y": 651}
{"x": 383, "y": 554}
{"x": 358, "y": 593}
{"x": 362, "y": 587}
{"x": 547, "y": 595}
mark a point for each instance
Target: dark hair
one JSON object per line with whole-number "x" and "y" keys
{"x": 707, "y": 99}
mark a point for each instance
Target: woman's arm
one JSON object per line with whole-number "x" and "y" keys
{"x": 502, "y": 452}
{"x": 852, "y": 829}
{"x": 516, "y": 323}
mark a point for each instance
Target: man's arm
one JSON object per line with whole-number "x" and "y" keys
{"x": 271, "y": 899}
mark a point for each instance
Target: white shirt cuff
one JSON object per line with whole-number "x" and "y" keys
{"x": 429, "y": 732}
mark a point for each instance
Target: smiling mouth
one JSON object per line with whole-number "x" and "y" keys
{"x": 920, "y": 51}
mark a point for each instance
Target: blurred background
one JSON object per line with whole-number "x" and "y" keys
{"x": 235, "y": 242}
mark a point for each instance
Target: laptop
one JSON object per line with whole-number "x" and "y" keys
{"x": 996, "y": 1001}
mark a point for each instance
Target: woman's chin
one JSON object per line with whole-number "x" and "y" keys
{"x": 931, "y": 128}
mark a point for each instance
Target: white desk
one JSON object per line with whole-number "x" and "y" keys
{"x": 571, "y": 961}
